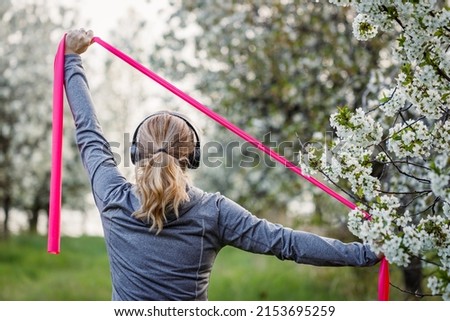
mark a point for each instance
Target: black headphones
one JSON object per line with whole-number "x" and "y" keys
{"x": 194, "y": 158}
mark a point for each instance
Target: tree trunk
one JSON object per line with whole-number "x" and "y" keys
{"x": 35, "y": 209}
{"x": 33, "y": 220}
{"x": 412, "y": 276}
{"x": 6, "y": 209}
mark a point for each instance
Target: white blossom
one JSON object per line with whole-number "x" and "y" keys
{"x": 359, "y": 129}
{"x": 435, "y": 285}
{"x": 441, "y": 137}
{"x": 411, "y": 139}
{"x": 363, "y": 27}
{"x": 392, "y": 101}
{"x": 446, "y": 209}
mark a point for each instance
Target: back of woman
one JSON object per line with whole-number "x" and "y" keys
{"x": 174, "y": 264}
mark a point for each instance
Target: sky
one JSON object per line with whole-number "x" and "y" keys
{"x": 104, "y": 14}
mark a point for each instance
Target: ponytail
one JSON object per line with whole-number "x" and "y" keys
{"x": 161, "y": 180}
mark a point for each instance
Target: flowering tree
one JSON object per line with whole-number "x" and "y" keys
{"x": 276, "y": 68}
{"x": 403, "y": 130}
{"x": 25, "y": 105}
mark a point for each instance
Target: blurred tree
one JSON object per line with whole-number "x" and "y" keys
{"x": 29, "y": 31}
{"x": 277, "y": 69}
{"x": 124, "y": 97}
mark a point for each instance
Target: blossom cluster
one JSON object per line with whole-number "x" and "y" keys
{"x": 411, "y": 139}
{"x": 407, "y": 135}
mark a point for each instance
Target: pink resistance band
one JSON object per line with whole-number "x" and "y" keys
{"x": 54, "y": 213}
{"x": 55, "y": 189}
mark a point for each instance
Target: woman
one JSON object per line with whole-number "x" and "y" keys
{"x": 163, "y": 234}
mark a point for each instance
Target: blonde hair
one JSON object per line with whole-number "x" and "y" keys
{"x": 164, "y": 145}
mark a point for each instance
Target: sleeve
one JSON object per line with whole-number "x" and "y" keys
{"x": 95, "y": 150}
{"x": 240, "y": 229}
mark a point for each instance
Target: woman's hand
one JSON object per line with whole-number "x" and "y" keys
{"x": 77, "y": 41}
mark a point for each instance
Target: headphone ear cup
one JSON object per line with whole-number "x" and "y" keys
{"x": 133, "y": 153}
{"x": 194, "y": 159}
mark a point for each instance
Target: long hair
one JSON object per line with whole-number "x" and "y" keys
{"x": 164, "y": 145}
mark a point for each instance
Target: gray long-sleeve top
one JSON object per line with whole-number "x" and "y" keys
{"x": 176, "y": 264}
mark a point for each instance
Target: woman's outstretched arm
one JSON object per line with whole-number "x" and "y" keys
{"x": 95, "y": 150}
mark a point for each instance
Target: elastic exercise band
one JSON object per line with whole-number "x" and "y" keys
{"x": 54, "y": 213}
{"x": 383, "y": 286}
{"x": 222, "y": 121}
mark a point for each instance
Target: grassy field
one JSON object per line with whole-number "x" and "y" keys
{"x": 81, "y": 273}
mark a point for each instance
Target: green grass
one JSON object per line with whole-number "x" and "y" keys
{"x": 28, "y": 272}
{"x": 81, "y": 272}
{"x": 243, "y": 276}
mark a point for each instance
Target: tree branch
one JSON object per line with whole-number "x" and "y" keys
{"x": 405, "y": 193}
{"x": 422, "y": 180}
{"x": 437, "y": 199}
{"x": 416, "y": 294}
{"x": 399, "y": 114}
{"x": 411, "y": 201}
{"x": 435, "y": 66}
{"x": 406, "y": 162}
{"x": 385, "y": 9}
{"x": 341, "y": 188}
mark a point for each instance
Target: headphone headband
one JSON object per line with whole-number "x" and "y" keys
{"x": 194, "y": 158}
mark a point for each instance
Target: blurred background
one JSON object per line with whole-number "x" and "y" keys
{"x": 276, "y": 68}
